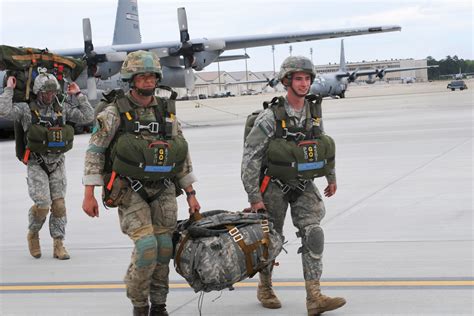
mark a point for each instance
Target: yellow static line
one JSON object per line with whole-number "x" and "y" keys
{"x": 242, "y": 284}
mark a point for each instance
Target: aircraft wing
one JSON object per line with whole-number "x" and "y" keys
{"x": 164, "y": 49}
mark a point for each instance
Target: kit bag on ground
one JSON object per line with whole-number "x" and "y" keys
{"x": 216, "y": 249}
{"x": 23, "y": 64}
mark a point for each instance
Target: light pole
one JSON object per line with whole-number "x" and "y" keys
{"x": 246, "y": 71}
{"x": 291, "y": 50}
{"x": 273, "y": 53}
{"x": 311, "y": 53}
{"x": 219, "y": 74}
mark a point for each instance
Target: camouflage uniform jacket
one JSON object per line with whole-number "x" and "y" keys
{"x": 81, "y": 114}
{"x": 108, "y": 125}
{"x": 256, "y": 145}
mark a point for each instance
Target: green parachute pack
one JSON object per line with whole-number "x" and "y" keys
{"x": 304, "y": 153}
{"x": 23, "y": 64}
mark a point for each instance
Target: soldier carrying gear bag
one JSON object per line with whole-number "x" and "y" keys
{"x": 285, "y": 149}
{"x": 138, "y": 154}
{"x": 44, "y": 139}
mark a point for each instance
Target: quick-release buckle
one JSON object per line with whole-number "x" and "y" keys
{"x": 265, "y": 227}
{"x": 45, "y": 123}
{"x": 152, "y": 127}
{"x": 136, "y": 185}
{"x": 39, "y": 159}
{"x": 299, "y": 136}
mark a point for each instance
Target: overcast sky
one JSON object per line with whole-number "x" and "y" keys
{"x": 434, "y": 28}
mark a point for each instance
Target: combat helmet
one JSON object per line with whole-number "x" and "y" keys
{"x": 45, "y": 82}
{"x": 140, "y": 62}
{"x": 294, "y": 64}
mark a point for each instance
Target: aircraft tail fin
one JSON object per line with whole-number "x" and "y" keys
{"x": 342, "y": 61}
{"x": 127, "y": 25}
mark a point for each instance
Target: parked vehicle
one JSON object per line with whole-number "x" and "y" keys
{"x": 457, "y": 84}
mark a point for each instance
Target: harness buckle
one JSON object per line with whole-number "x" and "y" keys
{"x": 167, "y": 182}
{"x": 152, "y": 127}
{"x": 302, "y": 185}
{"x": 285, "y": 188}
{"x": 39, "y": 159}
{"x": 285, "y": 133}
{"x": 45, "y": 123}
{"x": 136, "y": 185}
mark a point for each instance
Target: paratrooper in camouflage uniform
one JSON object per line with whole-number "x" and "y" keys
{"x": 148, "y": 223}
{"x": 304, "y": 199}
{"x": 46, "y": 190}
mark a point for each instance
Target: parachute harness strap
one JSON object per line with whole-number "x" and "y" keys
{"x": 237, "y": 236}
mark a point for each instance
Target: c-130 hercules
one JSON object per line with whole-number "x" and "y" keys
{"x": 180, "y": 58}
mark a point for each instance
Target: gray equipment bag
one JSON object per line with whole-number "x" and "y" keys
{"x": 219, "y": 248}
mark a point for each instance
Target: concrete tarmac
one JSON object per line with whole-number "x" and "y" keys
{"x": 399, "y": 231}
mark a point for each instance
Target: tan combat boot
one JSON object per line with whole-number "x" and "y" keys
{"x": 34, "y": 244}
{"x": 317, "y": 303}
{"x": 265, "y": 293}
{"x": 59, "y": 251}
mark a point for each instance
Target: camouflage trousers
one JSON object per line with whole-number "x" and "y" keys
{"x": 306, "y": 212}
{"x": 47, "y": 191}
{"x": 150, "y": 226}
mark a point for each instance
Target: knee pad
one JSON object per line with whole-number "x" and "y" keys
{"x": 39, "y": 213}
{"x": 165, "y": 248}
{"x": 145, "y": 251}
{"x": 58, "y": 208}
{"x": 312, "y": 239}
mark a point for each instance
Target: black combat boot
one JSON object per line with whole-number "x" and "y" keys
{"x": 158, "y": 310}
{"x": 140, "y": 310}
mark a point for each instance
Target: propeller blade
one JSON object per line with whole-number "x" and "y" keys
{"x": 91, "y": 88}
{"x": 183, "y": 25}
{"x": 87, "y": 34}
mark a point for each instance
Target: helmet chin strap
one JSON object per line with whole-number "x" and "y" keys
{"x": 145, "y": 92}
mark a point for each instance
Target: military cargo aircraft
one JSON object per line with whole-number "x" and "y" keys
{"x": 335, "y": 84}
{"x": 460, "y": 75}
{"x": 178, "y": 58}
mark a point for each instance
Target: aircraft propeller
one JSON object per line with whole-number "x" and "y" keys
{"x": 187, "y": 49}
{"x": 380, "y": 73}
{"x": 353, "y": 76}
{"x": 92, "y": 59}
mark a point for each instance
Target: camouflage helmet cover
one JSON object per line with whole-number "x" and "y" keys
{"x": 140, "y": 62}
{"x": 45, "y": 82}
{"x": 295, "y": 64}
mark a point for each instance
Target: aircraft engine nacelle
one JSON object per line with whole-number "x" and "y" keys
{"x": 178, "y": 77}
{"x": 203, "y": 59}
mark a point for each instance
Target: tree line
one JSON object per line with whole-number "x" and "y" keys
{"x": 447, "y": 66}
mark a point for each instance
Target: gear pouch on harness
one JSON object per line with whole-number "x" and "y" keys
{"x": 224, "y": 247}
{"x": 55, "y": 139}
{"x": 143, "y": 159}
{"x": 114, "y": 190}
{"x": 307, "y": 159}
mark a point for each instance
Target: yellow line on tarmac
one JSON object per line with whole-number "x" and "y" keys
{"x": 105, "y": 286}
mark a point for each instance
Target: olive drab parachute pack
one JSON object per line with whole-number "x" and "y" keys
{"x": 44, "y": 136}
{"x": 23, "y": 64}
{"x": 158, "y": 157}
{"x": 216, "y": 249}
{"x": 296, "y": 153}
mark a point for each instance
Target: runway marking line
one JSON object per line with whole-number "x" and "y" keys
{"x": 367, "y": 284}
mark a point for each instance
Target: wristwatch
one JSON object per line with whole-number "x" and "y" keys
{"x": 192, "y": 192}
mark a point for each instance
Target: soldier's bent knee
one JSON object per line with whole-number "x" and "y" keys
{"x": 312, "y": 238}
{"x": 165, "y": 248}
{"x": 58, "y": 208}
{"x": 146, "y": 249}
{"x": 39, "y": 213}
